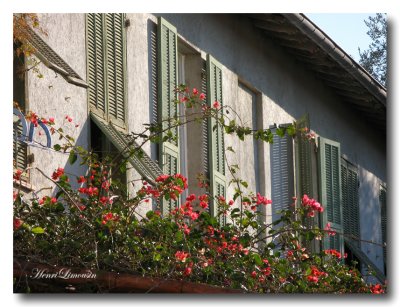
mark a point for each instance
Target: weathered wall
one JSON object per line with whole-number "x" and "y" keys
{"x": 285, "y": 92}
{"x": 52, "y": 96}
{"x": 288, "y": 92}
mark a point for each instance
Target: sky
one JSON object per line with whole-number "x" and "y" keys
{"x": 348, "y": 30}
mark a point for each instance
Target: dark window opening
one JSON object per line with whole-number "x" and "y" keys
{"x": 106, "y": 152}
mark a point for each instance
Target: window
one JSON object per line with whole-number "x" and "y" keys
{"x": 106, "y": 66}
{"x": 179, "y": 63}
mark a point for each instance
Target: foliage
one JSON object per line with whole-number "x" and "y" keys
{"x": 374, "y": 59}
{"x": 97, "y": 226}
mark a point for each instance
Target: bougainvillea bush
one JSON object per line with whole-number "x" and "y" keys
{"x": 96, "y": 226}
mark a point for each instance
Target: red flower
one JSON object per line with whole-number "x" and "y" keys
{"x": 53, "y": 200}
{"x": 181, "y": 256}
{"x": 51, "y": 120}
{"x": 312, "y": 278}
{"x": 195, "y": 91}
{"x": 68, "y": 118}
{"x": 17, "y": 223}
{"x": 216, "y": 104}
{"x": 187, "y": 271}
{"x": 81, "y": 179}
{"x": 254, "y": 274}
{"x": 202, "y": 96}
{"x": 203, "y": 204}
{"x": 376, "y": 289}
{"x": 191, "y": 197}
{"x": 17, "y": 174}
{"x": 58, "y": 173}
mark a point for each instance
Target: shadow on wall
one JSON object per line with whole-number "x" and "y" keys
{"x": 77, "y": 169}
{"x": 369, "y": 210}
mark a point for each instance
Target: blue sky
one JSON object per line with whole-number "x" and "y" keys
{"x": 348, "y": 30}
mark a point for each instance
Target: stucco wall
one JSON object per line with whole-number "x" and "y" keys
{"x": 53, "y": 96}
{"x": 285, "y": 90}
{"x": 288, "y": 92}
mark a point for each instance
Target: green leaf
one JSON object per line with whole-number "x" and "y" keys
{"x": 280, "y": 132}
{"x": 157, "y": 257}
{"x": 38, "y": 230}
{"x": 179, "y": 236}
{"x": 244, "y": 183}
{"x": 291, "y": 130}
{"x": 57, "y": 147}
{"x": 257, "y": 259}
{"x": 72, "y": 157}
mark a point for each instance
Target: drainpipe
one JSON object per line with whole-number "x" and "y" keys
{"x": 325, "y": 43}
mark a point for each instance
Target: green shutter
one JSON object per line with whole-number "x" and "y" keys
{"x": 115, "y": 51}
{"x": 20, "y": 149}
{"x": 167, "y": 107}
{"x": 351, "y": 214}
{"x": 216, "y": 146}
{"x": 382, "y": 200}
{"x": 106, "y": 66}
{"x": 205, "y": 153}
{"x": 304, "y": 153}
{"x": 96, "y": 63}
{"x": 330, "y": 191}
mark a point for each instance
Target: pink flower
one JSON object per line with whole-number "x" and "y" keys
{"x": 329, "y": 230}
{"x": 53, "y": 200}
{"x": 68, "y": 118}
{"x": 195, "y": 91}
{"x": 216, "y": 104}
{"x": 51, "y": 120}
{"x": 202, "y": 96}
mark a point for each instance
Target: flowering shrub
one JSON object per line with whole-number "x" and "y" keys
{"x": 96, "y": 226}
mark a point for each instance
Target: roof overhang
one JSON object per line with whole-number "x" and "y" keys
{"x": 300, "y": 37}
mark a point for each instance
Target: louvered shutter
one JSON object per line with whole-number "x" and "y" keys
{"x": 216, "y": 146}
{"x": 351, "y": 214}
{"x": 304, "y": 153}
{"x": 382, "y": 200}
{"x": 20, "y": 150}
{"x": 115, "y": 52}
{"x": 330, "y": 192}
{"x": 205, "y": 153}
{"x": 304, "y": 170}
{"x": 281, "y": 163}
{"x": 96, "y": 64}
{"x": 167, "y": 107}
